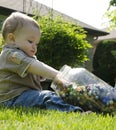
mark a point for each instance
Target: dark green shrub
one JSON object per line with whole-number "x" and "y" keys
{"x": 104, "y": 61}
{"x": 62, "y": 43}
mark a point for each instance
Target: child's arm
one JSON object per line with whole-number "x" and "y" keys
{"x": 39, "y": 68}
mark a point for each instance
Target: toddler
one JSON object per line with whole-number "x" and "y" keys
{"x": 20, "y": 71}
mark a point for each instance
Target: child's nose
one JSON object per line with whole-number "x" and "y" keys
{"x": 34, "y": 45}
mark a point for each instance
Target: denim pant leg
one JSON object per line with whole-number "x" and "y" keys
{"x": 42, "y": 99}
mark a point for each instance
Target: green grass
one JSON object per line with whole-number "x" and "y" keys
{"x": 35, "y": 119}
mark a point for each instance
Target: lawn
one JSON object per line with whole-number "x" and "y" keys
{"x": 36, "y": 119}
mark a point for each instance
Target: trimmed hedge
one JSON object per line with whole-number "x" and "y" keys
{"x": 104, "y": 61}
{"x": 62, "y": 43}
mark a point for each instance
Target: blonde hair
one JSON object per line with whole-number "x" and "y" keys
{"x": 15, "y": 22}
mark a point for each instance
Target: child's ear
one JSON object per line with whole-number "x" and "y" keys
{"x": 11, "y": 37}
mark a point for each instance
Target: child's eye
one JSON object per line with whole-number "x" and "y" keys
{"x": 30, "y": 41}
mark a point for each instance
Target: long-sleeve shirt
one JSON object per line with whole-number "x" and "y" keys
{"x": 14, "y": 78}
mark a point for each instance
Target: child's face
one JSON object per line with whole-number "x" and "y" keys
{"x": 27, "y": 39}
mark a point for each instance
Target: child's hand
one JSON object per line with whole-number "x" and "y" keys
{"x": 62, "y": 83}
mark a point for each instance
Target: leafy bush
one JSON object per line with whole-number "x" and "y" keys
{"x": 61, "y": 43}
{"x": 104, "y": 61}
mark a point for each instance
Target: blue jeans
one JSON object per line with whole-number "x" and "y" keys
{"x": 42, "y": 99}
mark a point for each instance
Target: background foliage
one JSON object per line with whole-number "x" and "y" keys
{"x": 62, "y": 43}
{"x": 111, "y": 14}
{"x": 113, "y": 2}
{"x": 104, "y": 61}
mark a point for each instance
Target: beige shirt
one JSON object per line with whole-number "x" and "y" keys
{"x": 14, "y": 78}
